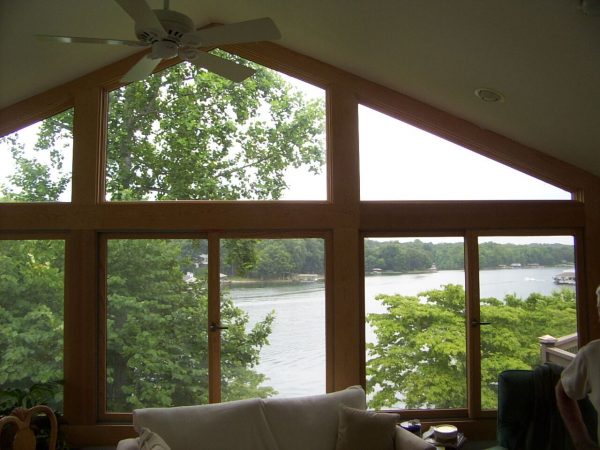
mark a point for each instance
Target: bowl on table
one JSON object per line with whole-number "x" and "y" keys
{"x": 445, "y": 433}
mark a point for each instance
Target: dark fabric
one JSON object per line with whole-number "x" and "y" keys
{"x": 515, "y": 407}
{"x": 590, "y": 417}
{"x": 528, "y": 418}
{"x": 546, "y": 431}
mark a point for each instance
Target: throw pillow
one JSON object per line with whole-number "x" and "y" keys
{"x": 365, "y": 430}
{"x": 149, "y": 440}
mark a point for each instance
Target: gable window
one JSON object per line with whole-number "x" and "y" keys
{"x": 402, "y": 162}
{"x": 35, "y": 162}
{"x": 188, "y": 134}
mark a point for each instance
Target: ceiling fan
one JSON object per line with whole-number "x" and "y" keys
{"x": 170, "y": 34}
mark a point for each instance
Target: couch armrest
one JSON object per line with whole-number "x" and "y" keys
{"x": 128, "y": 444}
{"x": 405, "y": 440}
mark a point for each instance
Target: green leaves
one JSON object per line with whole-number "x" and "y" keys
{"x": 157, "y": 329}
{"x": 36, "y": 394}
{"x": 31, "y": 312}
{"x": 41, "y": 177}
{"x": 419, "y": 357}
{"x": 417, "y": 255}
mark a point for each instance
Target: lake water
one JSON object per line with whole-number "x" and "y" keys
{"x": 294, "y": 360}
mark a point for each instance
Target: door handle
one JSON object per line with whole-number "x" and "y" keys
{"x": 477, "y": 323}
{"x": 217, "y": 327}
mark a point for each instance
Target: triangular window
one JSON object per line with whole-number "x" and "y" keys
{"x": 36, "y": 161}
{"x": 402, "y": 162}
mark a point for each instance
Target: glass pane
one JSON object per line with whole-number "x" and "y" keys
{"x": 157, "y": 350}
{"x": 275, "y": 290}
{"x": 415, "y": 323}
{"x": 402, "y": 162}
{"x": 188, "y": 134}
{"x": 36, "y": 161}
{"x": 527, "y": 291}
{"x": 32, "y": 276}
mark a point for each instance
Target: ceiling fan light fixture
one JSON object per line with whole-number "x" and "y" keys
{"x": 191, "y": 40}
{"x": 489, "y": 95}
{"x": 164, "y": 50}
{"x": 188, "y": 53}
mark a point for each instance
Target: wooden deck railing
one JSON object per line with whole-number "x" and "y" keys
{"x": 560, "y": 350}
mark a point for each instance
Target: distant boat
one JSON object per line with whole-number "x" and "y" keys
{"x": 433, "y": 268}
{"x": 307, "y": 277}
{"x": 565, "y": 277}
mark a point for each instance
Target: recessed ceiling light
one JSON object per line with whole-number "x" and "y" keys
{"x": 489, "y": 95}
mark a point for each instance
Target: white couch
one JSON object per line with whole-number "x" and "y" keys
{"x": 298, "y": 423}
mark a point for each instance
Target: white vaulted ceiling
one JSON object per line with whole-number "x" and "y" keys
{"x": 543, "y": 55}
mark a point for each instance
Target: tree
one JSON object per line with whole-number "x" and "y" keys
{"x": 238, "y": 256}
{"x": 275, "y": 262}
{"x": 180, "y": 134}
{"x": 419, "y": 357}
{"x": 188, "y": 134}
{"x": 397, "y": 256}
{"x": 42, "y": 177}
{"x": 280, "y": 259}
{"x": 157, "y": 331}
{"x": 31, "y": 312}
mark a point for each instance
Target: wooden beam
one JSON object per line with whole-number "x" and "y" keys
{"x": 342, "y": 139}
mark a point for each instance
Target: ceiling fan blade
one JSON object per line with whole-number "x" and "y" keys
{"x": 87, "y": 40}
{"x": 140, "y": 70}
{"x": 236, "y": 33}
{"x": 142, "y": 15}
{"x": 223, "y": 67}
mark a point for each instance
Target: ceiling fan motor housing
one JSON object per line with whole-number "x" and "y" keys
{"x": 175, "y": 25}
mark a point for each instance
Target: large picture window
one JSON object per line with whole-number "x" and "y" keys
{"x": 527, "y": 295}
{"x": 417, "y": 306}
{"x": 156, "y": 321}
{"x": 415, "y": 323}
{"x": 280, "y": 285}
{"x": 169, "y": 343}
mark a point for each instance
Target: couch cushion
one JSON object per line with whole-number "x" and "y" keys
{"x": 222, "y": 426}
{"x": 310, "y": 422}
{"x": 405, "y": 440}
{"x": 365, "y": 430}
